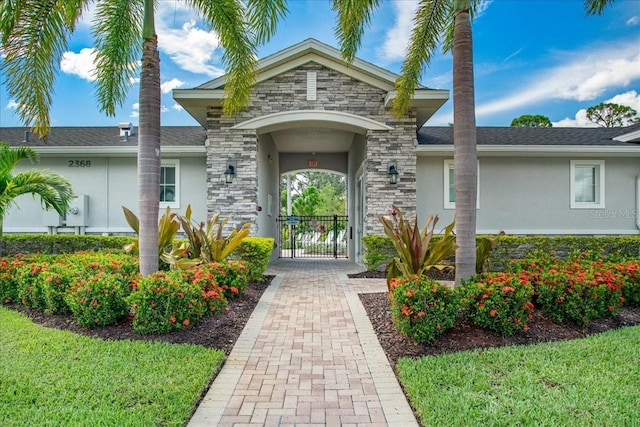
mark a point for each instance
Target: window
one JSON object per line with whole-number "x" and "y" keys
{"x": 169, "y": 183}
{"x": 450, "y": 188}
{"x": 587, "y": 184}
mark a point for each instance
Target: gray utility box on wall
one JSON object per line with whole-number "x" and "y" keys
{"x": 78, "y": 213}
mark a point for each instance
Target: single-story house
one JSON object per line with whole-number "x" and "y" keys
{"x": 311, "y": 110}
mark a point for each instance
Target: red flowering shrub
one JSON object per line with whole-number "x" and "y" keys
{"x": 499, "y": 301}
{"x": 98, "y": 299}
{"x": 231, "y": 276}
{"x": 30, "y": 292}
{"x": 165, "y": 301}
{"x": 8, "y": 282}
{"x": 212, "y": 295}
{"x": 422, "y": 308}
{"x": 580, "y": 292}
{"x": 630, "y": 270}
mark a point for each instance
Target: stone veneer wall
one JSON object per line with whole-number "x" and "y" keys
{"x": 288, "y": 92}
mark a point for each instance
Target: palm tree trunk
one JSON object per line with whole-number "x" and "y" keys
{"x": 465, "y": 155}
{"x": 149, "y": 147}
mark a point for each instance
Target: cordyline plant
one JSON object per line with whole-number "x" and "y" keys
{"x": 168, "y": 227}
{"x": 206, "y": 242}
{"x": 417, "y": 251}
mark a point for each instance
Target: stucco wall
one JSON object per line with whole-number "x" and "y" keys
{"x": 529, "y": 195}
{"x": 110, "y": 183}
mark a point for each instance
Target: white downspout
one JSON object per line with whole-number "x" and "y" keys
{"x": 638, "y": 202}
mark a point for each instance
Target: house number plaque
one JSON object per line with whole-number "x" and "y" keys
{"x": 79, "y": 163}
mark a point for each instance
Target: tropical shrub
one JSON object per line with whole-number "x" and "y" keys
{"x": 213, "y": 296}
{"x": 416, "y": 252}
{"x": 8, "y": 282}
{"x": 11, "y": 244}
{"x": 29, "y": 292}
{"x": 53, "y": 284}
{"x": 168, "y": 227}
{"x": 255, "y": 253}
{"x": 98, "y": 299}
{"x": 499, "y": 301}
{"x": 378, "y": 251}
{"x": 631, "y": 287}
{"x": 422, "y": 308}
{"x": 165, "y": 301}
{"x": 579, "y": 292}
{"x": 231, "y": 276}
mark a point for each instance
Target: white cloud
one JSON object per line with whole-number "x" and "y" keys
{"x": 168, "y": 86}
{"x": 135, "y": 110}
{"x": 177, "y": 107}
{"x": 397, "y": 38}
{"x": 80, "y": 64}
{"x": 630, "y": 99}
{"x": 11, "y": 105}
{"x": 190, "y": 47}
{"x": 634, "y": 20}
{"x": 163, "y": 109}
{"x": 585, "y": 76}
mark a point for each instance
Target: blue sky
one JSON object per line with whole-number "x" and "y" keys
{"x": 531, "y": 57}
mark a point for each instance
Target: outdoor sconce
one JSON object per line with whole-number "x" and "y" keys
{"x": 393, "y": 173}
{"x": 230, "y": 173}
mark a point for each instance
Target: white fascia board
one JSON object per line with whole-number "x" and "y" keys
{"x": 535, "y": 150}
{"x": 111, "y": 151}
{"x": 420, "y": 96}
{"x": 629, "y": 137}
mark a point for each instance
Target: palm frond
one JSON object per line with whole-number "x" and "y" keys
{"x": 34, "y": 36}
{"x": 596, "y": 7}
{"x": 227, "y": 18}
{"x": 353, "y": 17}
{"x": 429, "y": 25}
{"x": 117, "y": 30}
{"x": 264, "y": 16}
{"x": 10, "y": 156}
{"x": 54, "y": 190}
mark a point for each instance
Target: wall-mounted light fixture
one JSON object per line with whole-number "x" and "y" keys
{"x": 230, "y": 172}
{"x": 393, "y": 173}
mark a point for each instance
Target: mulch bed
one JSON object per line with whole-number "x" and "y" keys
{"x": 219, "y": 331}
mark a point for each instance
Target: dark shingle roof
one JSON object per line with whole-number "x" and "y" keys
{"x": 180, "y": 136}
{"x": 531, "y": 136}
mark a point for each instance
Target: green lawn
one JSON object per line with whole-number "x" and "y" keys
{"x": 53, "y": 377}
{"x": 589, "y": 382}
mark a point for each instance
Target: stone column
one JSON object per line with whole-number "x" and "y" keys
{"x": 384, "y": 147}
{"x": 240, "y": 197}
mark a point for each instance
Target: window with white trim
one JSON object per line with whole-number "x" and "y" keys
{"x": 170, "y": 183}
{"x": 587, "y": 184}
{"x": 450, "y": 188}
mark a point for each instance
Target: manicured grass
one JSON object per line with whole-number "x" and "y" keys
{"x": 54, "y": 377}
{"x": 589, "y": 382}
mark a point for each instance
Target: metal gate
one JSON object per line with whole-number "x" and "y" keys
{"x": 312, "y": 236}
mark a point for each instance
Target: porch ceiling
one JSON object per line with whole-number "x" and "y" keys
{"x": 312, "y": 140}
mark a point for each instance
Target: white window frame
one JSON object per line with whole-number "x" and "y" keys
{"x": 448, "y": 204}
{"x": 175, "y": 163}
{"x": 599, "y": 191}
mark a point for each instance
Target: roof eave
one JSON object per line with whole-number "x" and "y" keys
{"x": 534, "y": 150}
{"x": 114, "y": 151}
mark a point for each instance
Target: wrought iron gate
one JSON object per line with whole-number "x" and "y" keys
{"x": 312, "y": 236}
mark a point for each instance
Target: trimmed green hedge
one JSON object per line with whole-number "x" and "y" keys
{"x": 255, "y": 253}
{"x": 58, "y": 243}
{"x": 378, "y": 250}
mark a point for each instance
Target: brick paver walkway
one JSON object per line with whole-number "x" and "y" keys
{"x": 307, "y": 357}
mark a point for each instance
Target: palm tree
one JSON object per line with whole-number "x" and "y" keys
{"x": 36, "y": 33}
{"x": 446, "y": 22}
{"x": 54, "y": 190}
